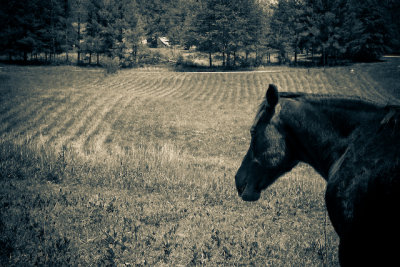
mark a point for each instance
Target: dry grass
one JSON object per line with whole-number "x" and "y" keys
{"x": 137, "y": 168}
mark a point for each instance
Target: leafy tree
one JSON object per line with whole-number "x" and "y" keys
{"x": 367, "y": 39}
{"x": 226, "y": 27}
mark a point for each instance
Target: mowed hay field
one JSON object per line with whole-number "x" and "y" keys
{"x": 138, "y": 168}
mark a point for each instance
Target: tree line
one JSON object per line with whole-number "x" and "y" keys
{"x": 325, "y": 30}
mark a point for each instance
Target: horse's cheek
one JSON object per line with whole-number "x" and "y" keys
{"x": 274, "y": 159}
{"x": 276, "y": 153}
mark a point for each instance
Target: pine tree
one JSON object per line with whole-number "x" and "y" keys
{"x": 205, "y": 29}
{"x": 66, "y": 20}
{"x": 282, "y": 28}
{"x": 134, "y": 32}
{"x": 92, "y": 37}
{"x": 18, "y": 34}
{"x": 226, "y": 27}
{"x": 79, "y": 11}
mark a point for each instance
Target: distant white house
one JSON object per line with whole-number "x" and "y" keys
{"x": 163, "y": 41}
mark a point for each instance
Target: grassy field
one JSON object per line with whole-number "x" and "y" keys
{"x": 138, "y": 168}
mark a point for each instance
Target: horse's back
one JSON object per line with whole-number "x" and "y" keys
{"x": 363, "y": 197}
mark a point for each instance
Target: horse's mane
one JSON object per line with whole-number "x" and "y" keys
{"x": 352, "y": 102}
{"x": 349, "y": 101}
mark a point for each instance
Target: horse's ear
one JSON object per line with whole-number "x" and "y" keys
{"x": 272, "y": 95}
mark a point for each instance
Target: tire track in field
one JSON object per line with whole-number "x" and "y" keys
{"x": 227, "y": 90}
{"x": 179, "y": 82}
{"x": 55, "y": 120}
{"x": 41, "y": 110}
{"x": 95, "y": 139}
{"x": 304, "y": 83}
{"x": 16, "y": 109}
{"x": 139, "y": 85}
{"x": 86, "y": 122}
{"x": 106, "y": 139}
{"x": 165, "y": 84}
{"x": 142, "y": 84}
{"x": 205, "y": 92}
{"x": 335, "y": 86}
{"x": 321, "y": 83}
{"x": 96, "y": 135}
{"x": 23, "y": 122}
{"x": 221, "y": 93}
{"x": 82, "y": 139}
{"x": 197, "y": 89}
{"x": 238, "y": 85}
{"x": 10, "y": 108}
{"x": 254, "y": 92}
{"x": 215, "y": 92}
{"x": 150, "y": 88}
{"x": 244, "y": 94}
{"x": 291, "y": 84}
{"x": 156, "y": 84}
{"x": 186, "y": 84}
{"x": 79, "y": 108}
{"x": 94, "y": 95}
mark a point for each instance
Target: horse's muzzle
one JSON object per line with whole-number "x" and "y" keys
{"x": 250, "y": 196}
{"x": 246, "y": 193}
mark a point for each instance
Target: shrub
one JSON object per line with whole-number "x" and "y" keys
{"x": 151, "y": 57}
{"x": 111, "y": 65}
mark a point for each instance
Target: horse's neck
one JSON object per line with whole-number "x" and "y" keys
{"x": 319, "y": 135}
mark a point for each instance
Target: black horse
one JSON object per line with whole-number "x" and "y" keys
{"x": 354, "y": 145}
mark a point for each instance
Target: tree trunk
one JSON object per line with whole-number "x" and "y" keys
{"x": 312, "y": 55}
{"x": 135, "y": 54}
{"x": 79, "y": 39}
{"x": 98, "y": 58}
{"x": 210, "y": 59}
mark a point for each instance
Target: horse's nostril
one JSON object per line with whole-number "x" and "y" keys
{"x": 240, "y": 189}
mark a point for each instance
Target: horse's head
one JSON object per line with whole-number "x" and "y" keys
{"x": 269, "y": 155}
